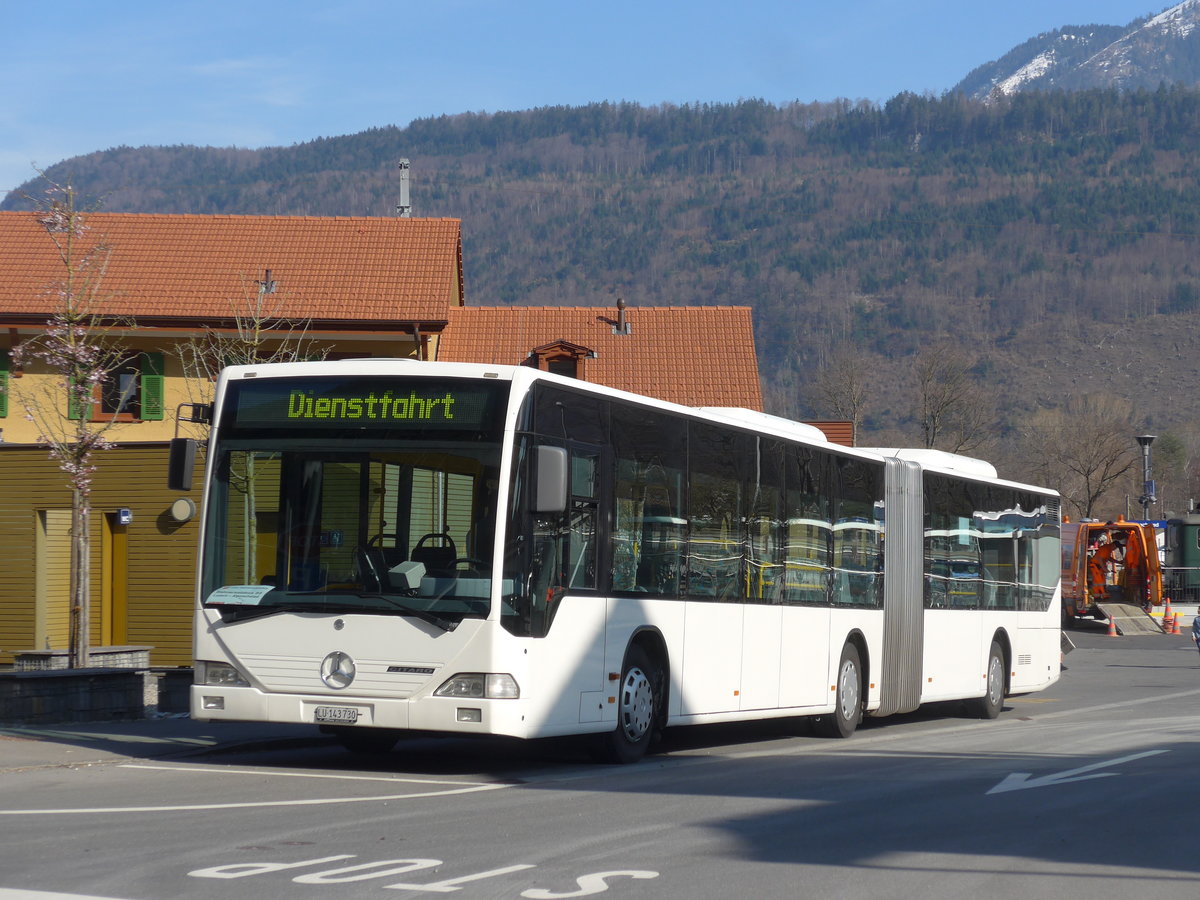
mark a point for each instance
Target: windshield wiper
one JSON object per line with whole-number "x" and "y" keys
{"x": 233, "y": 612}
{"x": 423, "y": 614}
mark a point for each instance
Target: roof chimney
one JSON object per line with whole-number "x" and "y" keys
{"x": 268, "y": 284}
{"x": 403, "y": 209}
{"x": 622, "y": 326}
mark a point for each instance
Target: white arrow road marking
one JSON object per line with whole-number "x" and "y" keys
{"x": 1019, "y": 781}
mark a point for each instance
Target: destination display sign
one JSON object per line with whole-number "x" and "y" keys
{"x": 357, "y": 403}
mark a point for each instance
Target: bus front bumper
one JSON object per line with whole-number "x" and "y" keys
{"x": 211, "y": 703}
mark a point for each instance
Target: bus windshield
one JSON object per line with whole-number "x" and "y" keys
{"x": 369, "y": 517}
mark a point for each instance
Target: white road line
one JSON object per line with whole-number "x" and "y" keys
{"x": 18, "y": 894}
{"x": 325, "y": 801}
{"x": 209, "y": 770}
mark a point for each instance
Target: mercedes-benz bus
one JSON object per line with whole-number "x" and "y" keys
{"x": 396, "y": 546}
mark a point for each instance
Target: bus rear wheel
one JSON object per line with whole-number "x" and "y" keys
{"x": 639, "y": 708}
{"x": 989, "y": 705}
{"x": 847, "y": 713}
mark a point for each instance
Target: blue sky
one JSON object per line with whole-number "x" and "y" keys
{"x": 77, "y": 76}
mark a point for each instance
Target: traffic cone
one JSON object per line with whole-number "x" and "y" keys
{"x": 1168, "y": 625}
{"x": 1167, "y": 610}
{"x": 1175, "y": 624}
{"x": 1112, "y": 627}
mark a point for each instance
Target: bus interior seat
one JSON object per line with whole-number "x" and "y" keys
{"x": 438, "y": 558}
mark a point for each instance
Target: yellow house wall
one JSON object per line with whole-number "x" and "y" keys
{"x": 43, "y": 389}
{"x": 160, "y": 553}
{"x": 160, "y": 569}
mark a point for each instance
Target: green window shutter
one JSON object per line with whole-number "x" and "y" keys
{"x": 5, "y": 366}
{"x": 152, "y": 387}
{"x": 75, "y": 409}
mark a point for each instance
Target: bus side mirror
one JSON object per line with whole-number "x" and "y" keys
{"x": 180, "y": 463}
{"x": 550, "y": 480}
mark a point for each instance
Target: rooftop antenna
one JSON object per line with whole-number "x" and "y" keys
{"x": 404, "y": 208}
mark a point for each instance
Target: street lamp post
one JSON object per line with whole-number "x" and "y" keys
{"x": 1148, "y": 487}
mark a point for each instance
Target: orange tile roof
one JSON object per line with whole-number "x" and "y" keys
{"x": 838, "y": 431}
{"x": 190, "y": 266}
{"x": 694, "y": 355}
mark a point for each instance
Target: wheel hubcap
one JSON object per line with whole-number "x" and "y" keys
{"x": 995, "y": 681}
{"x": 848, "y": 691}
{"x": 637, "y": 705}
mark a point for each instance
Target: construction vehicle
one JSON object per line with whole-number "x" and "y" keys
{"x": 1109, "y": 570}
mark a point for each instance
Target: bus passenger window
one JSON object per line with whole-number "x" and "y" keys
{"x": 648, "y": 524}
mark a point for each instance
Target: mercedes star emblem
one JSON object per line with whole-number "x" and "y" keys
{"x": 337, "y": 669}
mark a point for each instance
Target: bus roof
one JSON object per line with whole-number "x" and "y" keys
{"x": 942, "y": 461}
{"x": 759, "y": 420}
{"x": 933, "y": 460}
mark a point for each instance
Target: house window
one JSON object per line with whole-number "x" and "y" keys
{"x": 120, "y": 393}
{"x": 561, "y": 358}
{"x": 5, "y": 365}
{"x": 563, "y": 365}
{"x": 132, "y": 392}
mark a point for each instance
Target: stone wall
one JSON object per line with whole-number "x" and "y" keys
{"x": 129, "y": 657}
{"x": 90, "y": 695}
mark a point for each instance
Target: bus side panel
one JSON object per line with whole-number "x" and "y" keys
{"x": 804, "y": 666}
{"x": 762, "y": 651}
{"x": 843, "y": 623}
{"x": 1037, "y": 654}
{"x": 712, "y": 664}
{"x": 955, "y": 654}
{"x": 566, "y": 671}
{"x": 626, "y": 617}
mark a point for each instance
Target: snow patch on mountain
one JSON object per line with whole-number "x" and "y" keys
{"x": 1032, "y": 70}
{"x": 1178, "y": 21}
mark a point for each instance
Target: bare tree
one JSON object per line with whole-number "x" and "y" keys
{"x": 1083, "y": 450}
{"x": 78, "y": 348}
{"x": 952, "y": 410}
{"x": 840, "y": 389}
{"x": 261, "y": 332}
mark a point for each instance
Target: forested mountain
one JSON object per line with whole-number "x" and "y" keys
{"x": 1049, "y": 235}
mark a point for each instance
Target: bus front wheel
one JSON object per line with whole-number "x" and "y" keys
{"x": 639, "y": 707}
{"x": 847, "y": 712}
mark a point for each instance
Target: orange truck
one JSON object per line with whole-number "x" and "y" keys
{"x": 1108, "y": 562}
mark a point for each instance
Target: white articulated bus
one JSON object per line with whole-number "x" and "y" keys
{"x": 392, "y": 546}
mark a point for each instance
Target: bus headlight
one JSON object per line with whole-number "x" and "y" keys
{"x": 476, "y": 685}
{"x": 219, "y": 673}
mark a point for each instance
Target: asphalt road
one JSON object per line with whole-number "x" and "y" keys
{"x": 1082, "y": 791}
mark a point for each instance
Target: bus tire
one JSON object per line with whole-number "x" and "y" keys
{"x": 367, "y": 740}
{"x": 847, "y": 713}
{"x": 989, "y": 705}
{"x": 639, "y": 709}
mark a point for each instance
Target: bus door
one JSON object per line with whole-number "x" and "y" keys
{"x": 565, "y": 555}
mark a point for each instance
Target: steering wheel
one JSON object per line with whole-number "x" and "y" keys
{"x": 473, "y": 566}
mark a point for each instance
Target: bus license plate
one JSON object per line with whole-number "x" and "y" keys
{"x": 335, "y": 714}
